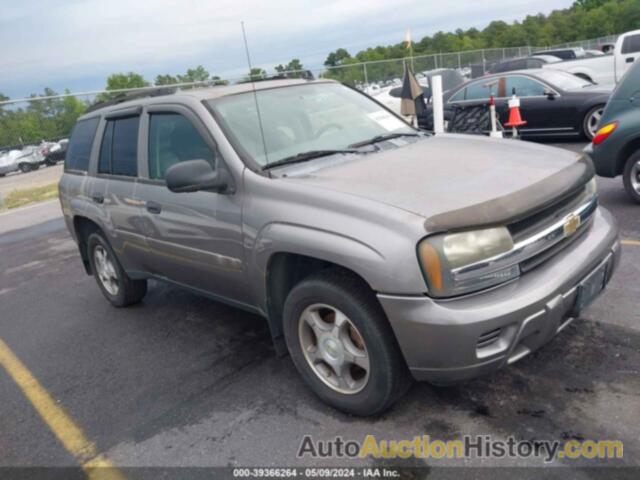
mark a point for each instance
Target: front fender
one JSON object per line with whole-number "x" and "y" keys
{"x": 332, "y": 247}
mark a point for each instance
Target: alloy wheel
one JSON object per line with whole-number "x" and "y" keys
{"x": 635, "y": 176}
{"x": 106, "y": 270}
{"x": 593, "y": 121}
{"x": 334, "y": 348}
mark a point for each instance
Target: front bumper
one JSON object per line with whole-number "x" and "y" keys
{"x": 446, "y": 341}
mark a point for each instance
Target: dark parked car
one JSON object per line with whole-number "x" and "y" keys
{"x": 616, "y": 147}
{"x": 57, "y": 153}
{"x": 552, "y": 102}
{"x": 564, "y": 53}
{"x": 523, "y": 63}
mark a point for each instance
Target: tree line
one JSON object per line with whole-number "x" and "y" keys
{"x": 54, "y": 118}
{"x": 585, "y": 19}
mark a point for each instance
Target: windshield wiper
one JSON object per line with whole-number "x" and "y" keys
{"x": 304, "y": 156}
{"x": 382, "y": 138}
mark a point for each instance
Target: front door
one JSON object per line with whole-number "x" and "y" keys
{"x": 544, "y": 114}
{"x": 194, "y": 239}
{"x": 627, "y": 54}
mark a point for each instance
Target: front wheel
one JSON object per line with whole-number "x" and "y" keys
{"x": 591, "y": 121}
{"x": 342, "y": 345}
{"x": 117, "y": 287}
{"x": 631, "y": 177}
{"x": 24, "y": 167}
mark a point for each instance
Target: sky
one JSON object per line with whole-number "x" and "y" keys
{"x": 76, "y": 44}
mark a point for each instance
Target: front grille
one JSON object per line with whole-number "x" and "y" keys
{"x": 535, "y": 222}
{"x": 533, "y": 262}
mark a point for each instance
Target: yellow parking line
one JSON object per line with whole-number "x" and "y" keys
{"x": 630, "y": 242}
{"x": 69, "y": 434}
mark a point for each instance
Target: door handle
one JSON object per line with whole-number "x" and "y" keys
{"x": 630, "y": 59}
{"x": 153, "y": 207}
{"x": 97, "y": 198}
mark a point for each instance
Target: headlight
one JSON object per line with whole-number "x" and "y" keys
{"x": 592, "y": 186}
{"x": 459, "y": 263}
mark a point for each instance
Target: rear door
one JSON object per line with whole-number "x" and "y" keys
{"x": 113, "y": 190}
{"x": 195, "y": 239}
{"x": 627, "y": 51}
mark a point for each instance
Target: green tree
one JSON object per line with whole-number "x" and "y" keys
{"x": 293, "y": 69}
{"x": 123, "y": 81}
{"x": 198, "y": 74}
{"x": 165, "y": 80}
{"x": 256, "y": 73}
{"x": 337, "y": 58}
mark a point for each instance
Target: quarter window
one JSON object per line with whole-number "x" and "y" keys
{"x": 80, "y": 144}
{"x": 119, "y": 149}
{"x": 174, "y": 139}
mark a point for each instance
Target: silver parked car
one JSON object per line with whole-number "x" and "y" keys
{"x": 377, "y": 253}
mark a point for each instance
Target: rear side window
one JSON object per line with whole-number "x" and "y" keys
{"x": 119, "y": 149}
{"x": 631, "y": 44}
{"x": 79, "y": 150}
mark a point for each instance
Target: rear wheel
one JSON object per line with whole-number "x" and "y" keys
{"x": 591, "y": 121}
{"x": 342, "y": 344}
{"x": 631, "y": 177}
{"x": 117, "y": 287}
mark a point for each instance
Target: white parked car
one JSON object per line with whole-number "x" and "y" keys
{"x": 604, "y": 69}
{"x": 25, "y": 160}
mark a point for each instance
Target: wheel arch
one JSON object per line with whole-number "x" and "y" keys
{"x": 83, "y": 227}
{"x": 284, "y": 271}
{"x": 626, "y": 152}
{"x": 285, "y": 254}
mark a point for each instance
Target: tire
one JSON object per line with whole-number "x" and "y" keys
{"x": 631, "y": 177}
{"x": 126, "y": 291}
{"x": 366, "y": 330}
{"x": 24, "y": 167}
{"x": 590, "y": 122}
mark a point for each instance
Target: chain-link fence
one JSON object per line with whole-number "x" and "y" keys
{"x": 41, "y": 119}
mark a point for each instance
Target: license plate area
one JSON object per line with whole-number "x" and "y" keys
{"x": 591, "y": 287}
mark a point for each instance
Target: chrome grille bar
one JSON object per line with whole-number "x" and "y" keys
{"x": 534, "y": 244}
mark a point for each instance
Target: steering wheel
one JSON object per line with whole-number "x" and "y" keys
{"x": 326, "y": 128}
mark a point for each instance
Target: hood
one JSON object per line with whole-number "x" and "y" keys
{"x": 456, "y": 181}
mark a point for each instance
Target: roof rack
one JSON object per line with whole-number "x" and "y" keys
{"x": 303, "y": 75}
{"x": 125, "y": 97}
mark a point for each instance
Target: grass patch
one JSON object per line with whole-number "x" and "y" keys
{"x": 20, "y": 198}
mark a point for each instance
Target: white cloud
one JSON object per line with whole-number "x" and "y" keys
{"x": 44, "y": 41}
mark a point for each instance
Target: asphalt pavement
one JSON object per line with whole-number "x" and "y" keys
{"x": 180, "y": 380}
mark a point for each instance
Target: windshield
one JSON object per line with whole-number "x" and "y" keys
{"x": 563, "y": 80}
{"x": 302, "y": 118}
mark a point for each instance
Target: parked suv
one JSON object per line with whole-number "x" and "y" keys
{"x": 377, "y": 253}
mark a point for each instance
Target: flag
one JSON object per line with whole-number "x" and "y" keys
{"x": 412, "y": 96}
{"x": 407, "y": 38}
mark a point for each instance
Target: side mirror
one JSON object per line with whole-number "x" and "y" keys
{"x": 551, "y": 95}
{"x": 195, "y": 175}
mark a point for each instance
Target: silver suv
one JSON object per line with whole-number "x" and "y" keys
{"x": 376, "y": 253}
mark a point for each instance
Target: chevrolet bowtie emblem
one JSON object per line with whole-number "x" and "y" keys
{"x": 571, "y": 225}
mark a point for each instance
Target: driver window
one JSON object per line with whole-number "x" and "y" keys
{"x": 174, "y": 139}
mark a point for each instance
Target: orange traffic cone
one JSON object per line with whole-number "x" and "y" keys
{"x": 515, "y": 119}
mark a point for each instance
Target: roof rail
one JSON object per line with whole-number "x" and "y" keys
{"x": 125, "y": 97}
